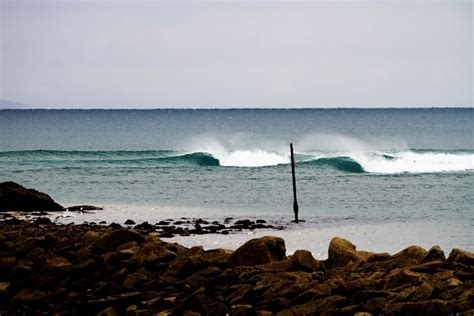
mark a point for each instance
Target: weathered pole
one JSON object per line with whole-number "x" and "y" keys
{"x": 295, "y": 202}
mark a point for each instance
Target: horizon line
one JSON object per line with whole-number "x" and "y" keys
{"x": 235, "y": 108}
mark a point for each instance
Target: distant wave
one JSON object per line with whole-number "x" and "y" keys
{"x": 407, "y": 161}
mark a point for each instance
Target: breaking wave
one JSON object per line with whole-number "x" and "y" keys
{"x": 407, "y": 161}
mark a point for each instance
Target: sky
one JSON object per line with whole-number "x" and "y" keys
{"x": 228, "y": 54}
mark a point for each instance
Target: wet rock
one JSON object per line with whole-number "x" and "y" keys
{"x": 83, "y": 208}
{"x": 144, "y": 226}
{"x": 259, "y": 251}
{"x": 14, "y": 197}
{"x": 341, "y": 252}
{"x": 42, "y": 221}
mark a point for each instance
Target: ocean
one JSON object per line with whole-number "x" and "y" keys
{"x": 354, "y": 167}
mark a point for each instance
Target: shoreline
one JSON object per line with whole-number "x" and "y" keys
{"x": 230, "y": 232}
{"x": 75, "y": 269}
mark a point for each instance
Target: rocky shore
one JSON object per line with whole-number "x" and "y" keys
{"x": 48, "y": 268}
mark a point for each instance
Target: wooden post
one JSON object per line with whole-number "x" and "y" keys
{"x": 295, "y": 202}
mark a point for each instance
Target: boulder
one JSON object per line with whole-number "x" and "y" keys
{"x": 410, "y": 256}
{"x": 434, "y": 254}
{"x": 461, "y": 256}
{"x": 259, "y": 251}
{"x": 14, "y": 197}
{"x": 112, "y": 240}
{"x": 341, "y": 252}
{"x": 303, "y": 260}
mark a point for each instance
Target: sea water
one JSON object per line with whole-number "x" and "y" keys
{"x": 379, "y": 167}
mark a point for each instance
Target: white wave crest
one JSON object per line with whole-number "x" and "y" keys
{"x": 250, "y": 158}
{"x": 415, "y": 162}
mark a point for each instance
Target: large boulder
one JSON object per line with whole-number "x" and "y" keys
{"x": 342, "y": 251}
{"x": 259, "y": 251}
{"x": 14, "y": 197}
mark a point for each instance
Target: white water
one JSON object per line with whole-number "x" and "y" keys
{"x": 243, "y": 152}
{"x": 413, "y": 162}
{"x": 371, "y": 162}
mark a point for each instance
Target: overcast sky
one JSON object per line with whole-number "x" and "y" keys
{"x": 154, "y": 54}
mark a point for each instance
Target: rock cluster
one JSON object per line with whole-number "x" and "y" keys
{"x": 82, "y": 269}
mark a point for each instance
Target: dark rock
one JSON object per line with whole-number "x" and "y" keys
{"x": 42, "y": 221}
{"x": 277, "y": 304}
{"x": 432, "y": 307}
{"x": 135, "y": 279}
{"x": 58, "y": 264}
{"x": 244, "y": 223}
{"x": 14, "y": 197}
{"x": 423, "y": 292}
{"x": 434, "y": 254}
{"x": 303, "y": 260}
{"x": 461, "y": 256}
{"x": 112, "y": 240}
{"x": 259, "y": 251}
{"x": 109, "y": 311}
{"x": 118, "y": 300}
{"x": 144, "y": 226}
{"x": 196, "y": 302}
{"x": 84, "y": 208}
{"x": 407, "y": 257}
{"x": 129, "y": 222}
{"x": 28, "y": 296}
